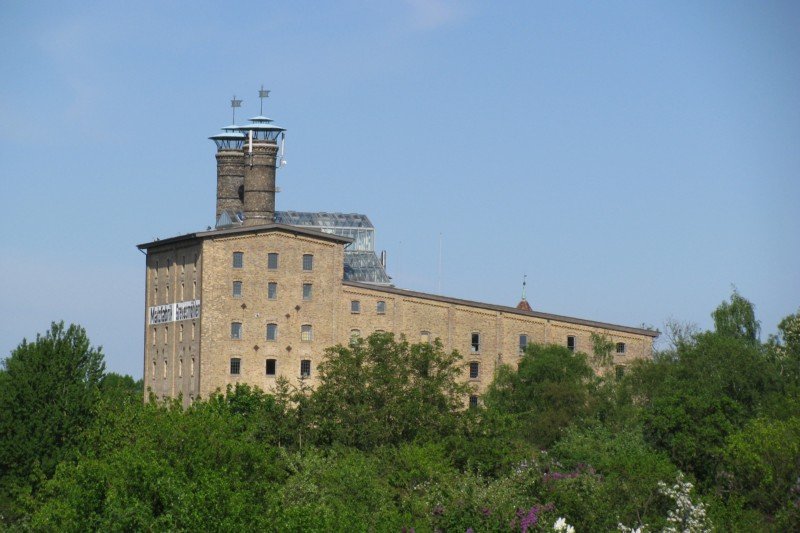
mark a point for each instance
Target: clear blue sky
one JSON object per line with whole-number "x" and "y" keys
{"x": 635, "y": 159}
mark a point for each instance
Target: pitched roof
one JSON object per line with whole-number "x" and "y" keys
{"x": 265, "y": 228}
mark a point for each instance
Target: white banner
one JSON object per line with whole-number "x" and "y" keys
{"x": 161, "y": 314}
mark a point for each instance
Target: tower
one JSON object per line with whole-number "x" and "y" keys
{"x": 230, "y": 171}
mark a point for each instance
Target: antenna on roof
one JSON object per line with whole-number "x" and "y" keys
{"x": 261, "y": 95}
{"x": 234, "y": 104}
{"x": 524, "y": 283}
{"x": 283, "y": 150}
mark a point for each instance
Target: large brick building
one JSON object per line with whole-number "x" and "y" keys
{"x": 264, "y": 293}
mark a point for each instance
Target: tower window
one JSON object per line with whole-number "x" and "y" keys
{"x": 183, "y": 264}
{"x": 193, "y": 328}
{"x": 306, "y": 333}
{"x": 380, "y": 307}
{"x": 307, "y": 291}
{"x": 154, "y": 370}
{"x": 272, "y": 332}
{"x": 305, "y": 368}
{"x": 272, "y": 261}
{"x": 236, "y": 330}
{"x": 308, "y": 262}
{"x": 475, "y": 343}
{"x": 237, "y": 289}
{"x": 271, "y": 364}
{"x": 191, "y": 369}
{"x": 236, "y": 366}
{"x": 180, "y": 333}
{"x": 155, "y": 334}
{"x": 238, "y": 259}
{"x": 180, "y": 368}
{"x": 523, "y": 343}
{"x": 165, "y": 369}
{"x": 473, "y": 401}
{"x": 194, "y": 290}
{"x": 166, "y": 334}
{"x": 621, "y": 348}
{"x": 355, "y": 306}
{"x": 571, "y": 343}
{"x": 474, "y": 370}
{"x": 181, "y": 291}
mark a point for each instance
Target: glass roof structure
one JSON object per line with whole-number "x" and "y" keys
{"x": 360, "y": 261}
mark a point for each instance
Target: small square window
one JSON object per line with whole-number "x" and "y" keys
{"x": 236, "y": 366}
{"x": 425, "y": 337}
{"x": 272, "y": 332}
{"x": 475, "y": 343}
{"x": 621, "y": 348}
{"x": 238, "y": 259}
{"x": 306, "y": 333}
{"x": 271, "y": 364}
{"x": 272, "y": 261}
{"x": 236, "y": 330}
{"x": 305, "y": 368}
{"x": 380, "y": 307}
{"x": 308, "y": 262}
{"x": 473, "y": 401}
{"x": 272, "y": 290}
{"x": 474, "y": 370}
{"x": 355, "y": 306}
{"x": 523, "y": 343}
{"x": 307, "y": 291}
{"x": 237, "y": 289}
{"x": 571, "y": 343}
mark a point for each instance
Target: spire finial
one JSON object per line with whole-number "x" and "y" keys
{"x": 524, "y": 284}
{"x": 234, "y": 104}
{"x": 262, "y": 94}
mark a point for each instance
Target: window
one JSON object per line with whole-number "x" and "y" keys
{"x": 169, "y": 264}
{"x": 354, "y": 335}
{"x": 380, "y": 307}
{"x": 155, "y": 295}
{"x": 165, "y": 369}
{"x": 272, "y": 290}
{"x": 271, "y": 364}
{"x": 180, "y": 368}
{"x": 191, "y": 369}
{"x": 305, "y": 368}
{"x": 619, "y": 372}
{"x": 272, "y": 332}
{"x": 193, "y": 328}
{"x": 183, "y": 264}
{"x": 474, "y": 370}
{"x": 154, "y": 370}
{"x": 307, "y": 291}
{"x": 523, "y": 343}
{"x": 571, "y": 343}
{"x": 181, "y": 291}
{"x": 194, "y": 290}
{"x": 308, "y": 262}
{"x": 355, "y": 306}
{"x": 621, "y": 348}
{"x": 166, "y": 293}
{"x": 180, "y": 333}
{"x": 306, "y": 333}
{"x": 155, "y": 334}
{"x": 473, "y": 401}
{"x": 475, "y": 344}
{"x": 237, "y": 289}
{"x": 238, "y": 259}
{"x": 195, "y": 262}
{"x": 236, "y": 330}
{"x": 272, "y": 261}
{"x": 236, "y": 366}
{"x": 425, "y": 337}
{"x": 166, "y": 334}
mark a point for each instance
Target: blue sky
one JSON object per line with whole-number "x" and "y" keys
{"x": 634, "y": 159}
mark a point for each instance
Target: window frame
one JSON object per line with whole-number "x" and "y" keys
{"x": 274, "y": 327}
{"x": 310, "y": 296}
{"x": 306, "y": 333}
{"x": 308, "y": 262}
{"x": 475, "y": 346}
{"x": 474, "y": 370}
{"x": 237, "y": 284}
{"x": 272, "y": 290}
{"x": 620, "y": 348}
{"x": 380, "y": 307}
{"x": 274, "y": 367}
{"x": 236, "y": 332}
{"x": 238, "y": 362}
{"x": 355, "y": 307}
{"x": 305, "y": 364}
{"x": 238, "y": 260}
{"x": 270, "y": 257}
{"x": 572, "y": 343}
{"x": 524, "y": 347}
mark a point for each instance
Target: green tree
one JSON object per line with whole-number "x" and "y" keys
{"x": 48, "y": 392}
{"x": 737, "y": 318}
{"x": 382, "y": 391}
{"x": 550, "y": 388}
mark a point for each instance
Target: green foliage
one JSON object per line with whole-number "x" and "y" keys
{"x": 737, "y": 319}
{"x": 382, "y": 391}
{"x": 547, "y": 392}
{"x": 49, "y": 389}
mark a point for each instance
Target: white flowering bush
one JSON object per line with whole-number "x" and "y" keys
{"x": 686, "y": 516}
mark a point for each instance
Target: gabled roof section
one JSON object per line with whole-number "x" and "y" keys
{"x": 504, "y": 309}
{"x": 266, "y": 228}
